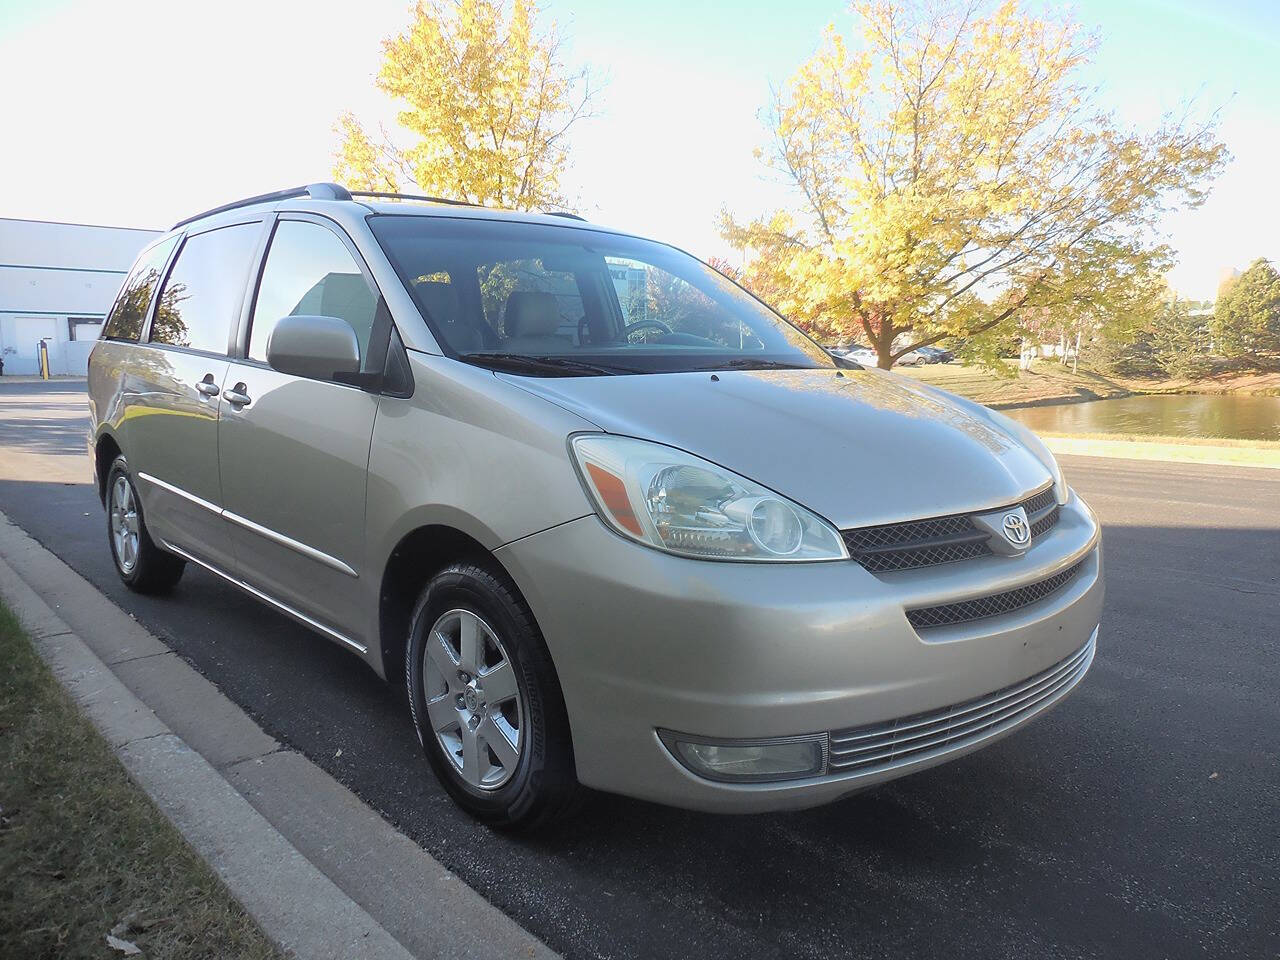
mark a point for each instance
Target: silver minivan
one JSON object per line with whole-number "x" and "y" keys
{"x": 607, "y": 519}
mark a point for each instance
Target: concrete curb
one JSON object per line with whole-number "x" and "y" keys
{"x": 31, "y": 378}
{"x": 322, "y": 874}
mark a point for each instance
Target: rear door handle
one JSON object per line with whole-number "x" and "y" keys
{"x": 237, "y": 395}
{"x": 207, "y": 386}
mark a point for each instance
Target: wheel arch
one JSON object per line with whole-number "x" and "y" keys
{"x": 419, "y": 555}
{"x": 105, "y": 450}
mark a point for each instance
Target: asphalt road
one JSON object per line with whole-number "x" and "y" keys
{"x": 1139, "y": 819}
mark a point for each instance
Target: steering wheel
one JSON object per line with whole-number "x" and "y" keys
{"x": 584, "y": 333}
{"x": 631, "y": 328}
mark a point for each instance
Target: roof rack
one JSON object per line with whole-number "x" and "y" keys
{"x": 333, "y": 191}
{"x": 456, "y": 203}
{"x": 379, "y": 195}
{"x": 316, "y": 191}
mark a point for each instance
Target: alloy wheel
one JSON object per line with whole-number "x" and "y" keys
{"x": 473, "y": 701}
{"x": 124, "y": 524}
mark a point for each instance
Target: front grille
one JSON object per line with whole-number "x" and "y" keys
{"x": 1039, "y": 502}
{"x": 883, "y": 746}
{"x": 1044, "y": 523}
{"x": 992, "y": 606}
{"x": 925, "y": 556}
{"x": 925, "y": 543}
{"x": 899, "y": 534}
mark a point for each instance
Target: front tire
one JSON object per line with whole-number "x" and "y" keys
{"x": 486, "y": 702}
{"x": 142, "y": 565}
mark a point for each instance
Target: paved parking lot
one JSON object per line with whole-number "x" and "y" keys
{"x": 1140, "y": 819}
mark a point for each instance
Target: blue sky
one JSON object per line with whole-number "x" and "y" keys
{"x": 141, "y": 111}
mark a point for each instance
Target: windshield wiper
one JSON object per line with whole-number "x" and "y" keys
{"x": 555, "y": 366}
{"x": 753, "y": 363}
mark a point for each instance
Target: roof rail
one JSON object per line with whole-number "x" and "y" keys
{"x": 316, "y": 191}
{"x": 457, "y": 203}
{"x": 379, "y": 195}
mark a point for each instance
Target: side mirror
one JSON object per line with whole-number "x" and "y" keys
{"x": 320, "y": 348}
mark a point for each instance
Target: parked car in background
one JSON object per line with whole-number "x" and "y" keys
{"x": 863, "y": 356}
{"x": 935, "y": 354}
{"x": 912, "y": 358}
{"x": 668, "y": 550}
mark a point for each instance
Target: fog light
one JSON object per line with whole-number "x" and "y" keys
{"x": 786, "y": 758}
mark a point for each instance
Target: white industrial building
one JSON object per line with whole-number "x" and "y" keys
{"x": 57, "y": 282}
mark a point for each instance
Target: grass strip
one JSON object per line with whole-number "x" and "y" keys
{"x": 1049, "y": 383}
{"x": 1221, "y": 442}
{"x": 1249, "y": 455}
{"x": 84, "y": 854}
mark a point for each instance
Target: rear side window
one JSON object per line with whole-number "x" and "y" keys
{"x": 130, "y": 310}
{"x": 309, "y": 272}
{"x": 200, "y": 300}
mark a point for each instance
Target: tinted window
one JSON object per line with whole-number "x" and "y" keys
{"x": 125, "y": 322}
{"x": 201, "y": 299}
{"x": 309, "y": 272}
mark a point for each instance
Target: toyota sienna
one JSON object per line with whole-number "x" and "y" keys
{"x": 605, "y": 518}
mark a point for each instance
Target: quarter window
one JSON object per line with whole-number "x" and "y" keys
{"x": 309, "y": 272}
{"x": 201, "y": 298}
{"x": 130, "y": 310}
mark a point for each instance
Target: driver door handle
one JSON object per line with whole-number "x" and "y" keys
{"x": 208, "y": 388}
{"x": 237, "y": 395}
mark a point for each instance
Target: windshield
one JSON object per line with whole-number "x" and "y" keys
{"x": 562, "y": 301}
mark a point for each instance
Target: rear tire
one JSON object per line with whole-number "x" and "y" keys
{"x": 486, "y": 702}
{"x": 143, "y": 566}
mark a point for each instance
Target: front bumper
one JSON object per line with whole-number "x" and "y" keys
{"x": 644, "y": 641}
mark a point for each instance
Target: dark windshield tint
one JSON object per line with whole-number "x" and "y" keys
{"x": 548, "y": 301}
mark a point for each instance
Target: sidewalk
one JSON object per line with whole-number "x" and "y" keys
{"x": 322, "y": 874}
{"x": 31, "y": 378}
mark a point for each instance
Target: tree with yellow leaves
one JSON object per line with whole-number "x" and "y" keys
{"x": 486, "y": 107}
{"x": 953, "y": 173}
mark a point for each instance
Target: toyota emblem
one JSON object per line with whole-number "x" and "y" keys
{"x": 1016, "y": 529}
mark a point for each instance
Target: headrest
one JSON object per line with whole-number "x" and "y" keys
{"x": 440, "y": 300}
{"x": 531, "y": 313}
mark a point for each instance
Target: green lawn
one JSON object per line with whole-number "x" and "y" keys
{"x": 83, "y": 851}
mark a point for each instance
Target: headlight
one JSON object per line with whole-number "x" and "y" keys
{"x": 1042, "y": 453}
{"x": 682, "y": 504}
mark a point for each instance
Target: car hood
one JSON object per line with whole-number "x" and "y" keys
{"x": 859, "y": 447}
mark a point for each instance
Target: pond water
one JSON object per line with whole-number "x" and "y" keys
{"x": 1231, "y": 416}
